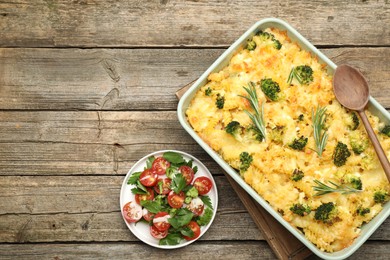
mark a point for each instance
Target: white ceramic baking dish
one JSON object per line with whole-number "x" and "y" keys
{"x": 220, "y": 63}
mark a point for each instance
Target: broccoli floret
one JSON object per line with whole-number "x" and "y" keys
{"x": 326, "y": 212}
{"x": 303, "y": 74}
{"x": 255, "y": 133}
{"x": 276, "y": 134}
{"x": 380, "y": 196}
{"x": 270, "y": 88}
{"x": 368, "y": 162}
{"x": 233, "y": 128}
{"x": 264, "y": 36}
{"x": 245, "y": 160}
{"x": 299, "y": 144}
{"x": 208, "y": 91}
{"x": 358, "y": 142}
{"x": 300, "y": 209}
{"x": 355, "y": 121}
{"x": 386, "y": 130}
{"x": 251, "y": 45}
{"x": 220, "y": 101}
{"x": 340, "y": 154}
{"x": 301, "y": 117}
{"x": 353, "y": 181}
{"x": 297, "y": 175}
{"x": 277, "y": 44}
{"x": 362, "y": 211}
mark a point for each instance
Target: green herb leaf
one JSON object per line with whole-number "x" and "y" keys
{"x": 149, "y": 162}
{"x": 320, "y": 135}
{"x": 322, "y": 188}
{"x": 195, "y": 169}
{"x": 171, "y": 171}
{"x": 183, "y": 217}
{"x": 207, "y": 201}
{"x": 151, "y": 206}
{"x": 134, "y": 178}
{"x": 187, "y": 232}
{"x": 171, "y": 239}
{"x": 258, "y": 117}
{"x": 204, "y": 219}
{"x": 178, "y": 183}
{"x": 189, "y": 163}
{"x": 173, "y": 157}
{"x": 138, "y": 191}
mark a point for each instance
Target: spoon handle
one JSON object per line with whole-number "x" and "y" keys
{"x": 375, "y": 142}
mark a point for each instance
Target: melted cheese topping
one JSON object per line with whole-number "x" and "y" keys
{"x": 273, "y": 160}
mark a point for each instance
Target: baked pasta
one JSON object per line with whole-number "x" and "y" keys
{"x": 272, "y": 115}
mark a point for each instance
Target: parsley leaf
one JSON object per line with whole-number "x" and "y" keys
{"x": 151, "y": 206}
{"x": 187, "y": 232}
{"x": 178, "y": 183}
{"x": 183, "y": 217}
{"x": 195, "y": 169}
{"x": 204, "y": 219}
{"x": 149, "y": 162}
{"x": 207, "y": 201}
{"x": 133, "y": 178}
{"x": 171, "y": 239}
{"x": 173, "y": 157}
{"x": 139, "y": 189}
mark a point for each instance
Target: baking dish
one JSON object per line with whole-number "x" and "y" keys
{"x": 220, "y": 63}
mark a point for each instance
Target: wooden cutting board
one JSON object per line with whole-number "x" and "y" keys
{"x": 282, "y": 242}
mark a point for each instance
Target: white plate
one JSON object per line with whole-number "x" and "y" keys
{"x": 141, "y": 229}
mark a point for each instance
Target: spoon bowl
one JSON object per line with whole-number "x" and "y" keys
{"x": 351, "y": 90}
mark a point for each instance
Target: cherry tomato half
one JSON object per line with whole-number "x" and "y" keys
{"x": 176, "y": 200}
{"x": 160, "y": 221}
{"x": 195, "y": 228}
{"x": 132, "y": 212}
{"x": 166, "y": 186}
{"x": 203, "y": 185}
{"x": 196, "y": 206}
{"x": 148, "y": 216}
{"x": 148, "y": 196}
{"x": 157, "y": 233}
{"x": 188, "y": 173}
{"x": 160, "y": 165}
{"x": 148, "y": 178}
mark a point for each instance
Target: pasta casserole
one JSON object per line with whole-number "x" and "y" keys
{"x": 271, "y": 114}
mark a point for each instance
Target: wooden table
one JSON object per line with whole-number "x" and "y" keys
{"x": 88, "y": 87}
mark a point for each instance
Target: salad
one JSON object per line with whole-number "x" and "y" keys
{"x": 170, "y": 198}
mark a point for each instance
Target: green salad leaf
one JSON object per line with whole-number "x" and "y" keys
{"x": 207, "y": 201}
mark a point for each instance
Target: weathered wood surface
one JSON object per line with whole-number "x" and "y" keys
{"x": 74, "y": 120}
{"x": 68, "y": 143}
{"x": 88, "y": 142}
{"x": 196, "y": 251}
{"x": 191, "y": 23}
{"x": 86, "y": 208}
{"x": 134, "y": 79}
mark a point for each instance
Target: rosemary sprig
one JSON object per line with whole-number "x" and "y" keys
{"x": 322, "y": 188}
{"x": 258, "y": 117}
{"x": 320, "y": 134}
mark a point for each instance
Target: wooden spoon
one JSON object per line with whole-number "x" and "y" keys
{"x": 351, "y": 90}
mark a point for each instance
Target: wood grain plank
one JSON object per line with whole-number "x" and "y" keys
{"x": 86, "y": 208}
{"x": 198, "y": 250}
{"x": 73, "y": 143}
{"x": 123, "y": 23}
{"x": 76, "y": 208}
{"x": 134, "y": 79}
